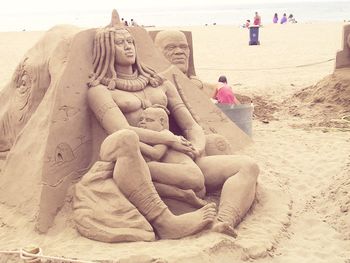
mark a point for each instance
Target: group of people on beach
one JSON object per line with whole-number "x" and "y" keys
{"x": 284, "y": 19}
{"x": 275, "y": 20}
{"x": 126, "y": 23}
{"x": 256, "y": 22}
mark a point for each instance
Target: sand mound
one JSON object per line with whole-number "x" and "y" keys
{"x": 334, "y": 203}
{"x": 326, "y": 103}
{"x": 263, "y": 107}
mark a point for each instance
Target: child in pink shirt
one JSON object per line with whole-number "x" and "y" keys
{"x": 224, "y": 93}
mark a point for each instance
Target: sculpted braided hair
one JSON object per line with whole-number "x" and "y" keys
{"x": 104, "y": 68}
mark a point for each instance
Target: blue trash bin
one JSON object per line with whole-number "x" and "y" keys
{"x": 254, "y": 35}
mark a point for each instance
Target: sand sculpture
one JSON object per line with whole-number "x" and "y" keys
{"x": 343, "y": 56}
{"x": 114, "y": 197}
{"x": 177, "y": 48}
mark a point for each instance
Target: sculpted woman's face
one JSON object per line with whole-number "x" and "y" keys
{"x": 125, "y": 48}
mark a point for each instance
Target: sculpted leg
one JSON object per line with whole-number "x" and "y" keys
{"x": 133, "y": 178}
{"x": 237, "y": 175}
{"x": 182, "y": 175}
{"x": 172, "y": 192}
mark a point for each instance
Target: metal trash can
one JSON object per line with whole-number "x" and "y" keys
{"x": 254, "y": 35}
{"x": 241, "y": 115}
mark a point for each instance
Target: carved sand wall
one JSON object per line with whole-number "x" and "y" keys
{"x": 26, "y": 137}
{"x": 21, "y": 97}
{"x": 343, "y": 56}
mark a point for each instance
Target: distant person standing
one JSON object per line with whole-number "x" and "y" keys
{"x": 257, "y": 19}
{"x": 275, "y": 18}
{"x": 284, "y": 18}
{"x": 223, "y": 93}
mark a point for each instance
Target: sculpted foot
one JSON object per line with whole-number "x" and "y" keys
{"x": 224, "y": 228}
{"x": 169, "y": 226}
{"x": 192, "y": 199}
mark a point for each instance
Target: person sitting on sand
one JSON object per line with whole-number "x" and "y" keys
{"x": 188, "y": 182}
{"x": 224, "y": 93}
{"x": 291, "y": 19}
{"x": 275, "y": 18}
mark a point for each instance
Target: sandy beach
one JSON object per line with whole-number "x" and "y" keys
{"x": 302, "y": 146}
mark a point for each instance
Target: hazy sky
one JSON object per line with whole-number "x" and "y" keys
{"x": 18, "y": 15}
{"x": 28, "y": 6}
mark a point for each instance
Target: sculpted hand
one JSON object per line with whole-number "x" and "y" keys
{"x": 181, "y": 144}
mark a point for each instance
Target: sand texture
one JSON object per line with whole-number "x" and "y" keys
{"x": 301, "y": 134}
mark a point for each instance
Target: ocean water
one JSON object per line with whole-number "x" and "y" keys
{"x": 228, "y": 14}
{"x": 237, "y": 14}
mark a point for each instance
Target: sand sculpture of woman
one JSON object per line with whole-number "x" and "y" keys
{"x": 120, "y": 90}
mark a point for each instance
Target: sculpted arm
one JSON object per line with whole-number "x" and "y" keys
{"x": 190, "y": 128}
{"x": 106, "y": 110}
{"x": 155, "y": 153}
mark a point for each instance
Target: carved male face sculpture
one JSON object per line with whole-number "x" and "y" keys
{"x": 154, "y": 119}
{"x": 173, "y": 44}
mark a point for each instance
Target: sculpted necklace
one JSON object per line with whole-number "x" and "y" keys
{"x": 134, "y": 82}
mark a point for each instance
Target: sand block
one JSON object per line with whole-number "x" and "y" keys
{"x": 343, "y": 56}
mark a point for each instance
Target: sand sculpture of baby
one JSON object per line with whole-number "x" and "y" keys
{"x": 174, "y": 174}
{"x": 183, "y": 181}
